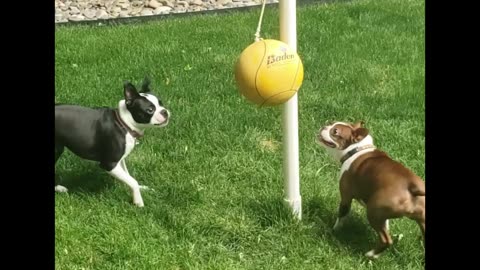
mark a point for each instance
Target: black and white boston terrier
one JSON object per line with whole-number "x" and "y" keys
{"x": 108, "y": 135}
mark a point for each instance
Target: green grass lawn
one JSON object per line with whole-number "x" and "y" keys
{"x": 217, "y": 167}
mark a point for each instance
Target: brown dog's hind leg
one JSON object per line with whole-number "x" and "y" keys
{"x": 385, "y": 241}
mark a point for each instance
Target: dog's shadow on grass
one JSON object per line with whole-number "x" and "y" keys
{"x": 87, "y": 180}
{"x": 270, "y": 212}
{"x": 354, "y": 235}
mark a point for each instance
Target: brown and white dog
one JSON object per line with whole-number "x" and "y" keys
{"x": 385, "y": 187}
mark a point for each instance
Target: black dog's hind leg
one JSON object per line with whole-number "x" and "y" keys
{"x": 58, "y": 152}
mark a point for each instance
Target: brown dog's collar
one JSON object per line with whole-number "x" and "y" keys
{"x": 354, "y": 151}
{"x": 132, "y": 132}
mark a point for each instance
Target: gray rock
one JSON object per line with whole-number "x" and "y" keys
{"x": 109, "y": 3}
{"x": 179, "y": 10}
{"x": 197, "y": 2}
{"x": 62, "y": 20}
{"x": 82, "y": 5}
{"x": 102, "y": 15}
{"x": 195, "y": 8}
{"x": 100, "y": 3}
{"x": 182, "y": 4}
{"x": 89, "y": 13}
{"x": 167, "y": 3}
{"x": 58, "y": 17}
{"x": 137, "y": 3}
{"x": 146, "y": 12}
{"x": 123, "y": 14}
{"x": 136, "y": 11}
{"x": 154, "y": 4}
{"x": 124, "y": 5}
{"x": 76, "y": 18}
{"x": 63, "y": 8}
{"x": 74, "y": 10}
{"x": 224, "y": 2}
{"x": 162, "y": 10}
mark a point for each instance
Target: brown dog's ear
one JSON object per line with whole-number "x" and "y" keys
{"x": 359, "y": 134}
{"x": 358, "y": 124}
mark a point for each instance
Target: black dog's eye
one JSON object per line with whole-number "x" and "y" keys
{"x": 150, "y": 110}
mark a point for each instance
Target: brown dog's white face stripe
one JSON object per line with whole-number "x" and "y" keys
{"x": 341, "y": 135}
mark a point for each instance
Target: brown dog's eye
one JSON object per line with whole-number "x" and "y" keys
{"x": 335, "y": 131}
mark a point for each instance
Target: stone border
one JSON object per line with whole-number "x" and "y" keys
{"x": 102, "y": 12}
{"x": 67, "y": 11}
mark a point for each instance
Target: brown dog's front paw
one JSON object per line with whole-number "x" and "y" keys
{"x": 372, "y": 255}
{"x": 338, "y": 223}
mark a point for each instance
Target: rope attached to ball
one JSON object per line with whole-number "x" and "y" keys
{"x": 257, "y": 34}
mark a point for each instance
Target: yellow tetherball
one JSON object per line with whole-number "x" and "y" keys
{"x": 268, "y": 72}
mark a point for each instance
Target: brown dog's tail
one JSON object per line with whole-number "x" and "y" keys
{"x": 416, "y": 190}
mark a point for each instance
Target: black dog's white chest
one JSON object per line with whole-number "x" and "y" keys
{"x": 130, "y": 142}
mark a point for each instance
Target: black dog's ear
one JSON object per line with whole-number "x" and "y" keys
{"x": 130, "y": 92}
{"x": 146, "y": 85}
